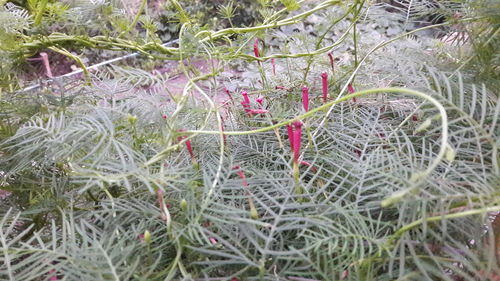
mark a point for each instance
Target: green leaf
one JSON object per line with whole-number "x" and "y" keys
{"x": 291, "y": 5}
{"x": 424, "y": 126}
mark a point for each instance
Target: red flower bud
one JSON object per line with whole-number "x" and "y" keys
{"x": 351, "y": 90}
{"x": 241, "y": 174}
{"x": 305, "y": 98}
{"x": 245, "y": 97}
{"x": 257, "y": 111}
{"x": 246, "y": 106}
{"x": 190, "y": 149}
{"x": 164, "y": 116}
{"x": 324, "y": 82}
{"x": 188, "y": 146}
{"x": 290, "y": 134}
{"x": 246, "y": 101}
{"x": 260, "y": 100}
{"x": 297, "y": 134}
{"x": 281, "y": 88}
{"x": 256, "y": 48}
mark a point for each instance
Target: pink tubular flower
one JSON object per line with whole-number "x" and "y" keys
{"x": 324, "y": 82}
{"x": 305, "y": 98}
{"x": 246, "y": 106}
{"x": 257, "y": 111}
{"x": 273, "y": 63}
{"x": 241, "y": 174}
{"x": 245, "y": 97}
{"x": 256, "y": 48}
{"x": 297, "y": 134}
{"x": 290, "y": 134}
{"x": 253, "y": 211}
{"x": 188, "y": 147}
{"x": 260, "y": 100}
{"x": 351, "y": 90}
{"x": 164, "y": 116}
{"x": 212, "y": 240}
{"x": 246, "y": 101}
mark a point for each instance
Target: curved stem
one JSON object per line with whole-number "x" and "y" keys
{"x": 40, "y": 9}
{"x": 416, "y": 179}
{"x": 419, "y": 222}
{"x": 137, "y": 16}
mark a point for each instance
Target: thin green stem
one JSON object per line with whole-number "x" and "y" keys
{"x": 137, "y": 16}
{"x": 295, "y": 19}
{"x": 40, "y": 9}
{"x": 467, "y": 213}
{"x": 76, "y": 58}
{"x": 322, "y": 37}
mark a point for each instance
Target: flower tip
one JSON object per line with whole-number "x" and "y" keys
{"x": 212, "y": 240}
{"x": 297, "y": 124}
{"x": 258, "y": 111}
{"x": 350, "y": 88}
{"x": 147, "y": 237}
{"x": 324, "y": 75}
{"x": 256, "y": 48}
{"x": 305, "y": 98}
{"x": 245, "y": 97}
